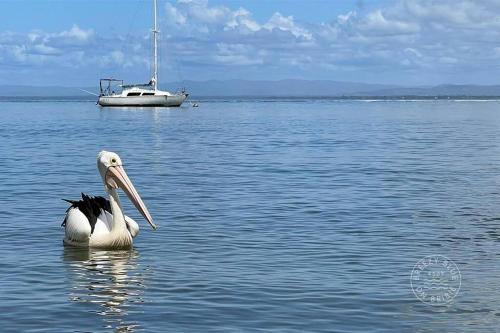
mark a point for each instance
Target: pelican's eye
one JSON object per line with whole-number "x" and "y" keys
{"x": 113, "y": 160}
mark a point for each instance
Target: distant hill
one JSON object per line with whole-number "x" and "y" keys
{"x": 281, "y": 88}
{"x": 275, "y": 88}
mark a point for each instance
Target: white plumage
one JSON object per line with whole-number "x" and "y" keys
{"x": 78, "y": 229}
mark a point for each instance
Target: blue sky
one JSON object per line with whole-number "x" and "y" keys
{"x": 406, "y": 42}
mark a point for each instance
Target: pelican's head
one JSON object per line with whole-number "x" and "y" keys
{"x": 114, "y": 176}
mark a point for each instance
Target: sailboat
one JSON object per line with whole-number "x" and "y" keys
{"x": 140, "y": 94}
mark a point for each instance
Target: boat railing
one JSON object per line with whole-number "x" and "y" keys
{"x": 107, "y": 86}
{"x": 182, "y": 91}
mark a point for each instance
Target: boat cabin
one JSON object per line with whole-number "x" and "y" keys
{"x": 139, "y": 93}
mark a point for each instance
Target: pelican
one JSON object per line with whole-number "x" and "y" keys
{"x": 99, "y": 223}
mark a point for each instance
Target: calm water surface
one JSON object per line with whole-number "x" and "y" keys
{"x": 283, "y": 216}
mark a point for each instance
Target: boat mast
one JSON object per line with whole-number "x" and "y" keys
{"x": 155, "y": 47}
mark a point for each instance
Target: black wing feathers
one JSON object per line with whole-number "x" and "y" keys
{"x": 90, "y": 207}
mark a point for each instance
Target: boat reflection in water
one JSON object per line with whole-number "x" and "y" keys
{"x": 109, "y": 279}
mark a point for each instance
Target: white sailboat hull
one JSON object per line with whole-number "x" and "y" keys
{"x": 162, "y": 100}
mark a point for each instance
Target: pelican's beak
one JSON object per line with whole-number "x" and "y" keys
{"x": 117, "y": 177}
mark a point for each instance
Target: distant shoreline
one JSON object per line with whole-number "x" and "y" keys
{"x": 289, "y": 88}
{"x": 276, "y": 98}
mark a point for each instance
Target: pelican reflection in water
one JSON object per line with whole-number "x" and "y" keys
{"x": 108, "y": 279}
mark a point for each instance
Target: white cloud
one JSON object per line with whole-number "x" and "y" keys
{"x": 74, "y": 47}
{"x": 118, "y": 57}
{"x": 242, "y": 19}
{"x": 76, "y": 33}
{"x": 278, "y": 21}
{"x": 237, "y": 54}
{"x": 174, "y": 14}
{"x": 376, "y": 23}
{"x": 45, "y": 50}
{"x": 198, "y": 16}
